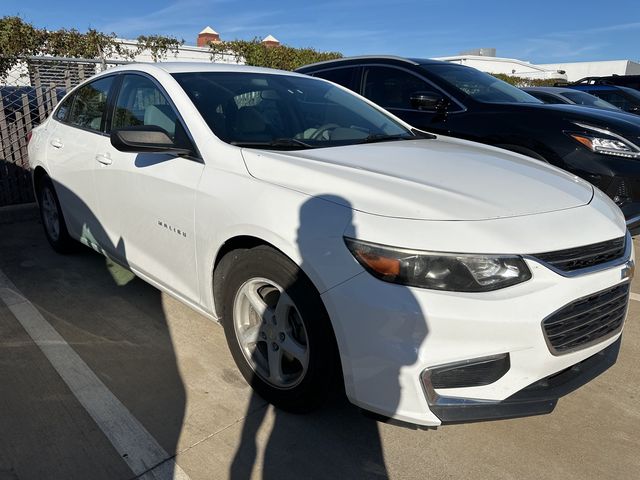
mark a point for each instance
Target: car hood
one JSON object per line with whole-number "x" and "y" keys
{"x": 610, "y": 119}
{"x": 443, "y": 179}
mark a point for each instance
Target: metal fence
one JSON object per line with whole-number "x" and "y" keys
{"x": 28, "y": 94}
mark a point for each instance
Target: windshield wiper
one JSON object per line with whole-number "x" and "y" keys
{"x": 421, "y": 134}
{"x": 292, "y": 143}
{"x": 381, "y": 137}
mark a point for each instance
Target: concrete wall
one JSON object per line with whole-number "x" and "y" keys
{"x": 509, "y": 66}
{"x": 186, "y": 53}
{"x": 577, "y": 70}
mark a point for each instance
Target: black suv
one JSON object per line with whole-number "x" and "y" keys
{"x": 600, "y": 146}
{"x": 630, "y": 81}
{"x": 624, "y": 98}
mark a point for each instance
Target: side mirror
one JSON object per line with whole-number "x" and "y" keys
{"x": 428, "y": 101}
{"x": 146, "y": 139}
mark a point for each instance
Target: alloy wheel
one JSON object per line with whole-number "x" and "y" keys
{"x": 271, "y": 333}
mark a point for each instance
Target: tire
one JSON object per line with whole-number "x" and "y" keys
{"x": 277, "y": 329}
{"x": 52, "y": 219}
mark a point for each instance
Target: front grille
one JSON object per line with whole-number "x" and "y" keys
{"x": 620, "y": 191}
{"x": 587, "y": 319}
{"x": 587, "y": 256}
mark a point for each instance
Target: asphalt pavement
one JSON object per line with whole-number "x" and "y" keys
{"x": 104, "y": 377}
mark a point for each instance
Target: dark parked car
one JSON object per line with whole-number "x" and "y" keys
{"x": 12, "y": 101}
{"x": 624, "y": 98}
{"x": 460, "y": 101}
{"x": 631, "y": 81}
{"x": 569, "y": 96}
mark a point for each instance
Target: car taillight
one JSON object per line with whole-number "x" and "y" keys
{"x": 29, "y": 135}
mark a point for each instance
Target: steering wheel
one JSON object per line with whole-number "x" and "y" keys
{"x": 322, "y": 129}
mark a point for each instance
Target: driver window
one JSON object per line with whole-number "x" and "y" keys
{"x": 392, "y": 88}
{"x": 140, "y": 102}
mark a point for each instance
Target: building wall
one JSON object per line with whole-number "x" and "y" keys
{"x": 19, "y": 74}
{"x": 577, "y": 70}
{"x": 186, "y": 53}
{"x": 509, "y": 66}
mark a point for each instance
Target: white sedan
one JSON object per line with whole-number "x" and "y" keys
{"x": 439, "y": 280}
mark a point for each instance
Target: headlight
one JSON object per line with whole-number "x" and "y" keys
{"x": 603, "y": 141}
{"x": 439, "y": 271}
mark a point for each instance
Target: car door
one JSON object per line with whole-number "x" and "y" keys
{"x": 76, "y": 128}
{"x": 150, "y": 195}
{"x": 396, "y": 90}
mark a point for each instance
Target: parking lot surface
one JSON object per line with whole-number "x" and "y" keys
{"x": 103, "y": 376}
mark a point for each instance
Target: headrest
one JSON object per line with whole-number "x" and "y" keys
{"x": 161, "y": 116}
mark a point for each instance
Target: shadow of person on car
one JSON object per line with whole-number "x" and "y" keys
{"x": 117, "y": 325}
{"x": 336, "y": 441}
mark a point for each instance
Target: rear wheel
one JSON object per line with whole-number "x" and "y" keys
{"x": 55, "y": 228}
{"x": 277, "y": 329}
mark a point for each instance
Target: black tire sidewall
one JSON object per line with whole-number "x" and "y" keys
{"x": 64, "y": 243}
{"x": 321, "y": 373}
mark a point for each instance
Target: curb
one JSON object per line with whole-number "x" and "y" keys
{"x": 19, "y": 213}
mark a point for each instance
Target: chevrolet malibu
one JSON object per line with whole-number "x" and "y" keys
{"x": 437, "y": 279}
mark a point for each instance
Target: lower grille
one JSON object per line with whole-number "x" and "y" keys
{"x": 587, "y": 320}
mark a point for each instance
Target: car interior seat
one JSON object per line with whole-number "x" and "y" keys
{"x": 161, "y": 115}
{"x": 250, "y": 125}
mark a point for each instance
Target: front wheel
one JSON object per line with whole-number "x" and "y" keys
{"x": 277, "y": 329}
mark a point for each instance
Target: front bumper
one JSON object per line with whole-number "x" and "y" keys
{"x": 536, "y": 399}
{"x": 389, "y": 334}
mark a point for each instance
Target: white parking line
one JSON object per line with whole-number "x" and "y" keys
{"x": 134, "y": 443}
{"x": 635, "y": 296}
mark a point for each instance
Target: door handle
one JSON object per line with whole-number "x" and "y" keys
{"x": 104, "y": 158}
{"x": 56, "y": 143}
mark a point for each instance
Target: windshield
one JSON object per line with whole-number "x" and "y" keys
{"x": 583, "y": 98}
{"x": 479, "y": 85}
{"x": 264, "y": 110}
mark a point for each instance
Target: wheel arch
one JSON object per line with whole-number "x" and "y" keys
{"x": 39, "y": 173}
{"x": 246, "y": 241}
{"x": 239, "y": 242}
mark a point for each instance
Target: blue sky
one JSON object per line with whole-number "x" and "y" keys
{"x": 542, "y": 31}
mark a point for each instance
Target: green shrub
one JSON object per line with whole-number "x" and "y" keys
{"x": 19, "y": 39}
{"x": 526, "y": 82}
{"x": 257, "y": 54}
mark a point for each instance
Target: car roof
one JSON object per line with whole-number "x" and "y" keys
{"x": 195, "y": 67}
{"x": 589, "y": 87}
{"x": 377, "y": 58}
